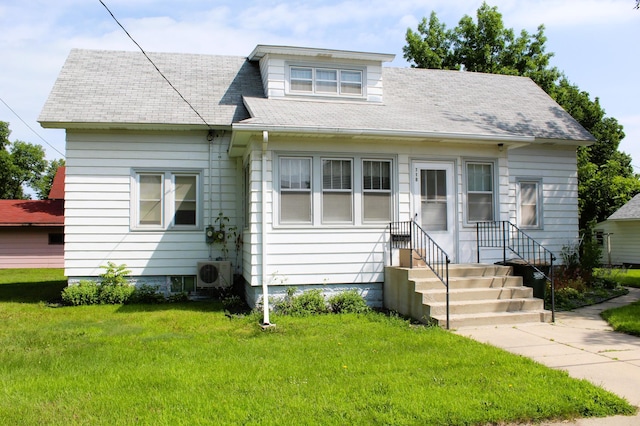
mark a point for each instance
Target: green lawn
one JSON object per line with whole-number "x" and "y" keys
{"x": 625, "y": 319}
{"x": 191, "y": 364}
{"x": 626, "y": 277}
{"x": 630, "y": 278}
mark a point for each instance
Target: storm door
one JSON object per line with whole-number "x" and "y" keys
{"x": 434, "y": 202}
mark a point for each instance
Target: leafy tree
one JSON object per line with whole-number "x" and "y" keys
{"x": 21, "y": 163}
{"x": 42, "y": 186}
{"x": 606, "y": 177}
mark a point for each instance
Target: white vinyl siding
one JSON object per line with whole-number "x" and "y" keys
{"x": 556, "y": 171}
{"x": 100, "y": 196}
{"x": 621, "y": 241}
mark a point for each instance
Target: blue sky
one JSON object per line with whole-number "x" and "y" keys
{"x": 596, "y": 42}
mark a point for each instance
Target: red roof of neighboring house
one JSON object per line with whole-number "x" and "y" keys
{"x": 36, "y": 212}
{"x": 57, "y": 187}
{"x": 31, "y": 212}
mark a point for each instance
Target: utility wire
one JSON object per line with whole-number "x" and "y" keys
{"x": 154, "y": 65}
{"x": 29, "y": 127}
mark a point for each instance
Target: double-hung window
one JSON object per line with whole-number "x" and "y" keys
{"x": 529, "y": 206}
{"x": 480, "y": 192}
{"x": 295, "y": 190}
{"x": 376, "y": 190}
{"x": 165, "y": 199}
{"x": 325, "y": 81}
{"x": 337, "y": 191}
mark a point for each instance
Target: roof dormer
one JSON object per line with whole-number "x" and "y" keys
{"x": 306, "y": 73}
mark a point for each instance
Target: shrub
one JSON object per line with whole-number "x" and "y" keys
{"x": 590, "y": 257}
{"x": 114, "y": 287}
{"x": 348, "y": 302}
{"x": 146, "y": 294}
{"x": 114, "y": 274}
{"x": 83, "y": 293}
{"x": 307, "y": 303}
{"x": 110, "y": 294}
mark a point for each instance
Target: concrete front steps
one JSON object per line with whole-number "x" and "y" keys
{"x": 478, "y": 295}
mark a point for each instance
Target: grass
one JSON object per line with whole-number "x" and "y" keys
{"x": 626, "y": 277}
{"x": 625, "y": 319}
{"x": 191, "y": 364}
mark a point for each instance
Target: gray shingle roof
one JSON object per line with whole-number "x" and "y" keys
{"x": 106, "y": 87}
{"x": 418, "y": 100}
{"x": 629, "y": 211}
{"x": 123, "y": 87}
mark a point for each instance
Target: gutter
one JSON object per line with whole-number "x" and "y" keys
{"x": 249, "y": 127}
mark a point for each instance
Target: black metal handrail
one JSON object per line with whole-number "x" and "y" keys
{"x": 504, "y": 234}
{"x": 409, "y": 235}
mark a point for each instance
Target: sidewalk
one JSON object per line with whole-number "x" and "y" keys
{"x": 581, "y": 343}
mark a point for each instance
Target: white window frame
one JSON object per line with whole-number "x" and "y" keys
{"x": 341, "y": 83}
{"x": 357, "y": 197}
{"x": 328, "y": 191}
{"x": 168, "y": 200}
{"x": 295, "y": 190}
{"x": 494, "y": 189}
{"x": 380, "y": 190}
{"x": 538, "y": 206}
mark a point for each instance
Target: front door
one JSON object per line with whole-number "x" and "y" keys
{"x": 434, "y": 202}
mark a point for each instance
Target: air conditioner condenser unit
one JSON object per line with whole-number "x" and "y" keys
{"x": 214, "y": 274}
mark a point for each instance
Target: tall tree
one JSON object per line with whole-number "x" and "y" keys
{"x": 21, "y": 163}
{"x": 43, "y": 185}
{"x": 606, "y": 177}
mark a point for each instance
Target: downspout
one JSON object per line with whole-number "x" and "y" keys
{"x": 265, "y": 285}
{"x": 210, "y": 138}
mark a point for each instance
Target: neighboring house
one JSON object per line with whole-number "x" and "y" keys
{"x": 309, "y": 154}
{"x": 620, "y": 235}
{"x": 32, "y": 231}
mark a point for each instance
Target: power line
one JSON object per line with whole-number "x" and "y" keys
{"x": 154, "y": 65}
{"x": 29, "y": 127}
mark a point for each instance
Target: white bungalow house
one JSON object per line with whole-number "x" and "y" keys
{"x": 620, "y": 235}
{"x": 307, "y": 155}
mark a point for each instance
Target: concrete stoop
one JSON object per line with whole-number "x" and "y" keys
{"x": 479, "y": 294}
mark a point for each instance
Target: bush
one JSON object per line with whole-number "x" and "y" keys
{"x": 307, "y": 303}
{"x": 114, "y": 274}
{"x": 83, "y": 293}
{"x": 113, "y": 289}
{"x": 146, "y": 294}
{"x": 348, "y": 302}
{"x": 110, "y": 294}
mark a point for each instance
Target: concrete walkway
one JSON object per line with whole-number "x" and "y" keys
{"x": 581, "y": 343}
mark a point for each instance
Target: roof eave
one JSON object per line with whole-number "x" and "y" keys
{"x": 95, "y": 125}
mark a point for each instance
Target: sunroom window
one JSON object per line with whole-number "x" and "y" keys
{"x": 333, "y": 191}
{"x": 376, "y": 190}
{"x": 337, "y": 195}
{"x": 295, "y": 190}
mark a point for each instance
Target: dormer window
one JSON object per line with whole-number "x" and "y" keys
{"x": 325, "y": 81}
